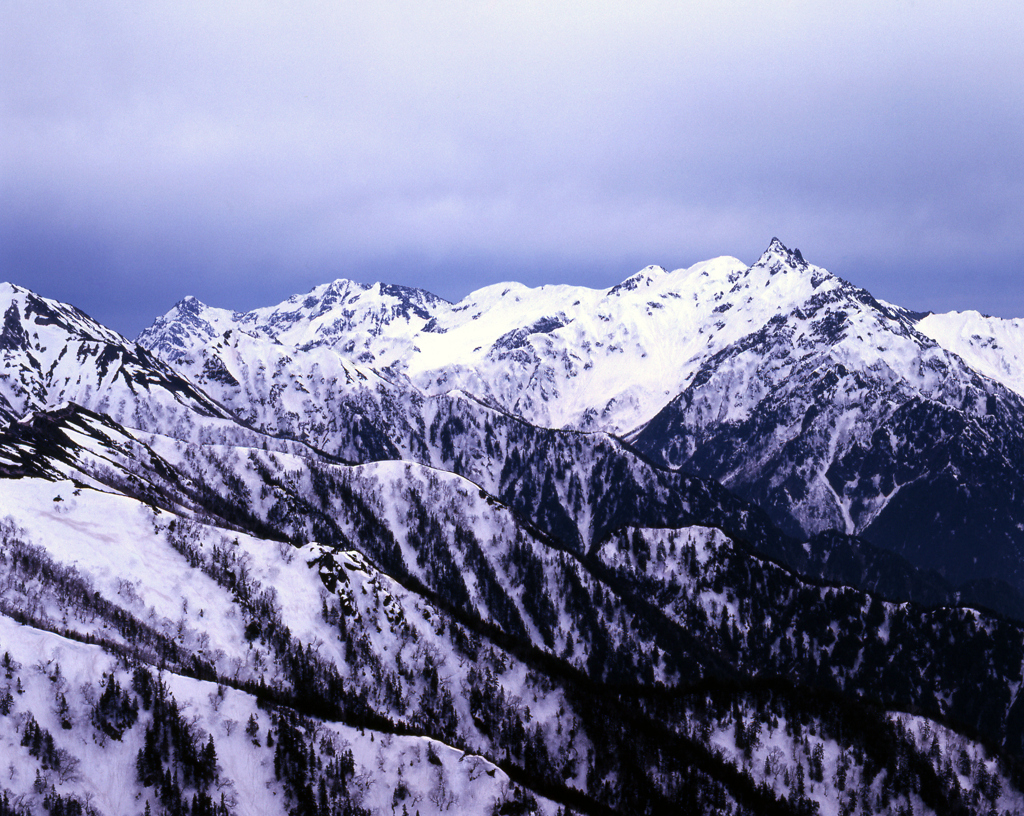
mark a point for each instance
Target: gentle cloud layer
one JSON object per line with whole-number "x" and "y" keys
{"x": 243, "y": 152}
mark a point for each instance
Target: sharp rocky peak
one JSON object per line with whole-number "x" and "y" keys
{"x": 782, "y": 263}
{"x": 345, "y": 295}
{"x": 792, "y": 278}
{"x": 189, "y": 310}
{"x": 189, "y": 305}
{"x": 777, "y": 251}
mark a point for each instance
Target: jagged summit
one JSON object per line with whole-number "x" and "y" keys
{"x": 776, "y": 250}
{"x": 558, "y": 356}
{"x": 775, "y": 378}
{"x": 190, "y": 303}
{"x": 778, "y": 379}
{"x": 7, "y": 289}
{"x": 38, "y": 317}
{"x": 172, "y": 334}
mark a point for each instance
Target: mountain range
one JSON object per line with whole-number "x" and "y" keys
{"x": 728, "y": 538}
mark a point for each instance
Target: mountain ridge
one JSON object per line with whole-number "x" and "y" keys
{"x": 781, "y": 375}
{"x": 309, "y": 520}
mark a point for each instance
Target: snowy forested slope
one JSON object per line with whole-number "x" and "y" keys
{"x": 433, "y": 620}
{"x": 371, "y": 552}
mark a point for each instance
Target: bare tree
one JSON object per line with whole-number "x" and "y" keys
{"x": 503, "y": 796}
{"x": 216, "y": 698}
{"x": 66, "y": 765}
{"x": 773, "y": 763}
{"x": 441, "y": 794}
{"x": 477, "y": 767}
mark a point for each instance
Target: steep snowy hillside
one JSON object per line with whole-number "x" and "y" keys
{"x": 162, "y": 651}
{"x": 162, "y": 661}
{"x": 992, "y": 346}
{"x": 51, "y": 353}
{"x": 840, "y": 414}
{"x": 368, "y": 551}
{"x": 308, "y": 393}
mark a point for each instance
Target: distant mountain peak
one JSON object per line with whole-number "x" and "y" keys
{"x": 7, "y": 289}
{"x": 645, "y": 277}
{"x": 36, "y": 313}
{"x": 779, "y": 255}
{"x": 189, "y": 305}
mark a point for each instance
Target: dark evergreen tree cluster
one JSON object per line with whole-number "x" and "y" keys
{"x": 174, "y": 758}
{"x": 40, "y": 744}
{"x": 116, "y": 710}
{"x": 58, "y": 805}
{"x": 431, "y": 541}
{"x": 528, "y": 570}
{"x": 494, "y": 596}
{"x": 950, "y": 663}
{"x": 10, "y": 667}
{"x": 9, "y": 806}
{"x": 497, "y": 714}
{"x": 316, "y": 779}
{"x": 437, "y": 707}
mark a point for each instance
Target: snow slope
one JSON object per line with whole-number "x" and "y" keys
{"x": 992, "y": 346}
{"x": 51, "y": 353}
{"x": 558, "y": 356}
{"x": 105, "y": 586}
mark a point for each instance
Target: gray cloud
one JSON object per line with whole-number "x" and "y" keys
{"x": 241, "y": 152}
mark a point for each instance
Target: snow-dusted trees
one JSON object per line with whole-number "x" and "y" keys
{"x": 175, "y": 758}
{"x": 116, "y": 710}
{"x": 315, "y": 781}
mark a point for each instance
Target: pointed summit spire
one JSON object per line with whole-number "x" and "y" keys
{"x": 778, "y": 253}
{"x": 189, "y": 305}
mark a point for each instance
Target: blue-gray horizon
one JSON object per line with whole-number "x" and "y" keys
{"x": 242, "y": 153}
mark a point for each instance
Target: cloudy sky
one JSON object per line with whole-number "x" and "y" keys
{"x": 242, "y": 152}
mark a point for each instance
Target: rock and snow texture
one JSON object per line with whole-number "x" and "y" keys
{"x": 145, "y": 596}
{"x": 51, "y": 353}
{"x": 557, "y": 356}
{"x": 790, "y": 386}
{"x": 992, "y": 346}
{"x": 787, "y": 384}
{"x": 111, "y": 588}
{"x": 841, "y": 414}
{"x": 401, "y": 555}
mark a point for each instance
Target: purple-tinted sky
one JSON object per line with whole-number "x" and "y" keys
{"x": 242, "y": 152}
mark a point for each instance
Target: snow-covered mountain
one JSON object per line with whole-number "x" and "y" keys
{"x": 51, "y": 353}
{"x": 433, "y": 652}
{"x": 843, "y": 414}
{"x": 787, "y": 384}
{"x": 368, "y": 551}
{"x": 992, "y": 346}
{"x": 557, "y": 356}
